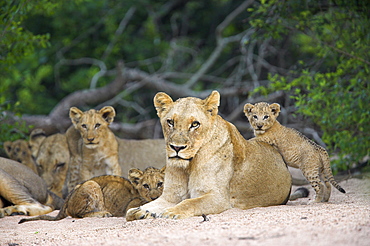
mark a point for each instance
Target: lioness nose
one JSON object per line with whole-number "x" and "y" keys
{"x": 177, "y": 148}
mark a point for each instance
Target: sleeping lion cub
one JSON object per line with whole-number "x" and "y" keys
{"x": 297, "y": 150}
{"x": 109, "y": 195}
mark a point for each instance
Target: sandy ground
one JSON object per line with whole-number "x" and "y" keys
{"x": 345, "y": 220}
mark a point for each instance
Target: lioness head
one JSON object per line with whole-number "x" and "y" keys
{"x": 53, "y": 160}
{"x": 20, "y": 151}
{"x": 149, "y": 183}
{"x": 261, "y": 115}
{"x": 92, "y": 124}
{"x": 186, "y": 124}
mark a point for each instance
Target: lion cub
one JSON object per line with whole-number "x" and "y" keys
{"x": 297, "y": 150}
{"x": 97, "y": 146}
{"x": 110, "y": 195}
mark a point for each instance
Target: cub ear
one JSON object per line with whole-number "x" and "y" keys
{"x": 212, "y": 102}
{"x": 8, "y": 147}
{"x": 134, "y": 175}
{"x": 162, "y": 101}
{"x": 163, "y": 169}
{"x": 75, "y": 115}
{"x": 248, "y": 109}
{"x": 108, "y": 113}
{"x": 275, "y": 108}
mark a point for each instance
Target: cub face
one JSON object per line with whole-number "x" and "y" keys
{"x": 92, "y": 124}
{"x": 186, "y": 124}
{"x": 261, "y": 115}
{"x": 149, "y": 183}
{"x": 19, "y": 150}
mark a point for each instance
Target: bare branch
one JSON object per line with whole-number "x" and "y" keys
{"x": 221, "y": 43}
{"x": 121, "y": 27}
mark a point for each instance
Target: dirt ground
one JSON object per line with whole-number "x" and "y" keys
{"x": 345, "y": 220}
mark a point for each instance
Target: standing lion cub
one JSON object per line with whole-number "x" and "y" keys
{"x": 297, "y": 150}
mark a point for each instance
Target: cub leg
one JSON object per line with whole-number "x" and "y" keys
{"x": 87, "y": 201}
{"x": 313, "y": 177}
{"x": 327, "y": 190}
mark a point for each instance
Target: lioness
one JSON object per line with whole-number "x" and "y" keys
{"x": 20, "y": 151}
{"x": 210, "y": 167}
{"x": 24, "y": 192}
{"x": 97, "y": 146}
{"x": 297, "y": 150}
{"x": 109, "y": 195}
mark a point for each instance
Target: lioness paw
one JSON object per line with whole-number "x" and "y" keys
{"x": 139, "y": 214}
{"x": 172, "y": 214}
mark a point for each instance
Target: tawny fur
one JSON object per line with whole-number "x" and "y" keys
{"x": 297, "y": 150}
{"x": 97, "y": 146}
{"x": 109, "y": 195}
{"x": 52, "y": 160}
{"x": 24, "y": 192}
{"x": 20, "y": 151}
{"x": 210, "y": 167}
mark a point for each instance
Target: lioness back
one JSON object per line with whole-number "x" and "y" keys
{"x": 297, "y": 150}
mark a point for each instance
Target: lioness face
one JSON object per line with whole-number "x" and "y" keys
{"x": 53, "y": 160}
{"x": 149, "y": 183}
{"x": 92, "y": 124}
{"x": 261, "y": 116}
{"x": 186, "y": 123}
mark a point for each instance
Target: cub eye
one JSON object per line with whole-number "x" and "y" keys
{"x": 265, "y": 117}
{"x": 170, "y": 123}
{"x": 195, "y": 124}
{"x": 255, "y": 117}
{"x": 159, "y": 184}
{"x": 84, "y": 126}
{"x": 97, "y": 126}
{"x": 146, "y": 186}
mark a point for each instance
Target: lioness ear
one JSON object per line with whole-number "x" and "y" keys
{"x": 134, "y": 175}
{"x": 275, "y": 108}
{"x": 212, "y": 102}
{"x": 75, "y": 115}
{"x": 248, "y": 109}
{"x": 162, "y": 102}
{"x": 37, "y": 136}
{"x": 108, "y": 113}
{"x": 8, "y": 147}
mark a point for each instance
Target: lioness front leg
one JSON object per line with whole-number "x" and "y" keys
{"x": 206, "y": 204}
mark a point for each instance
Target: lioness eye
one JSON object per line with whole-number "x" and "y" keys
{"x": 159, "y": 184}
{"x": 84, "y": 126}
{"x": 146, "y": 186}
{"x": 97, "y": 125}
{"x": 195, "y": 124}
{"x": 265, "y": 117}
{"x": 60, "y": 165}
{"x": 170, "y": 123}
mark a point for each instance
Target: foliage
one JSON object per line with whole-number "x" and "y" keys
{"x": 330, "y": 80}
